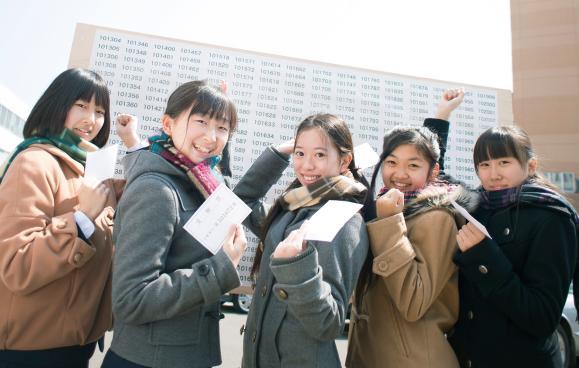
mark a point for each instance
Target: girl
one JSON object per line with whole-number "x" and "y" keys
{"x": 303, "y": 289}
{"x": 407, "y": 295}
{"x": 166, "y": 285}
{"x": 55, "y": 238}
{"x": 513, "y": 286}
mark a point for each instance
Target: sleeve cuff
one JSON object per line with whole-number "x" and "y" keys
{"x": 137, "y": 146}
{"x": 296, "y": 270}
{"x": 216, "y": 275}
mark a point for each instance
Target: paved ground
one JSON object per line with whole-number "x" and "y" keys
{"x": 231, "y": 341}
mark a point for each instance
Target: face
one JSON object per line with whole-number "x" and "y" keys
{"x": 406, "y": 169}
{"x": 85, "y": 119}
{"x": 315, "y": 157}
{"x": 198, "y": 137}
{"x": 504, "y": 173}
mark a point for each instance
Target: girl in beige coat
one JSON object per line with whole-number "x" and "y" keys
{"x": 407, "y": 295}
{"x": 55, "y": 238}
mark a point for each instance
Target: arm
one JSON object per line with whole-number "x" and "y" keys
{"x": 540, "y": 289}
{"x": 416, "y": 267}
{"x": 257, "y": 181}
{"x": 143, "y": 290}
{"x": 318, "y": 283}
{"x": 37, "y": 246}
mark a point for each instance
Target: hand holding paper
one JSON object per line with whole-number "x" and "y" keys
{"x": 211, "y": 223}
{"x": 471, "y": 219}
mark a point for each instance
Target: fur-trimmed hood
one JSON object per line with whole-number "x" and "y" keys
{"x": 436, "y": 197}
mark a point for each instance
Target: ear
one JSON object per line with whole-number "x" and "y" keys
{"x": 532, "y": 166}
{"x": 167, "y": 124}
{"x": 345, "y": 162}
{"x": 435, "y": 172}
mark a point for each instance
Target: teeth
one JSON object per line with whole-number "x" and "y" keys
{"x": 202, "y": 149}
{"x": 311, "y": 178}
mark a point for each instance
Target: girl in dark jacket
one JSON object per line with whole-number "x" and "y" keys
{"x": 513, "y": 286}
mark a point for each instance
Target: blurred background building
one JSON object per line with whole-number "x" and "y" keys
{"x": 546, "y": 85}
{"x": 13, "y": 113}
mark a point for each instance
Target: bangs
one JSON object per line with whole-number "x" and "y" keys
{"x": 97, "y": 88}
{"x": 216, "y": 106}
{"x": 495, "y": 143}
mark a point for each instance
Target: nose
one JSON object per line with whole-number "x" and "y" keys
{"x": 401, "y": 173}
{"x": 308, "y": 163}
{"x": 211, "y": 135}
{"x": 495, "y": 174}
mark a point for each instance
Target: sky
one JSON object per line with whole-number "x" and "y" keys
{"x": 462, "y": 41}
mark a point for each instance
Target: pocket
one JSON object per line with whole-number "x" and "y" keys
{"x": 401, "y": 341}
{"x": 182, "y": 330}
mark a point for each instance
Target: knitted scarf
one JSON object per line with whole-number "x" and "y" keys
{"x": 411, "y": 195}
{"x": 336, "y": 187}
{"x": 67, "y": 141}
{"x": 528, "y": 193}
{"x": 203, "y": 175}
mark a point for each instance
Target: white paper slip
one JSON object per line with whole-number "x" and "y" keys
{"x": 471, "y": 219}
{"x": 211, "y": 223}
{"x": 328, "y": 220}
{"x": 100, "y": 165}
{"x": 365, "y": 156}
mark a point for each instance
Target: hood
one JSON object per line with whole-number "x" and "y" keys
{"x": 440, "y": 197}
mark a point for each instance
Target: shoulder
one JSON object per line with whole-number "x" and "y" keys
{"x": 33, "y": 164}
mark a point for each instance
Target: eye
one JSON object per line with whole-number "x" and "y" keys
{"x": 101, "y": 112}
{"x": 200, "y": 121}
{"x": 414, "y": 166}
{"x": 320, "y": 155}
{"x": 390, "y": 163}
{"x": 224, "y": 129}
{"x": 80, "y": 104}
{"x": 298, "y": 153}
{"x": 483, "y": 164}
{"x": 504, "y": 162}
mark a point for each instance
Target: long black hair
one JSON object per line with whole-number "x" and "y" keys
{"x": 49, "y": 114}
{"x": 341, "y": 138}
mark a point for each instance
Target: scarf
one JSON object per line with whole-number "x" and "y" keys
{"x": 67, "y": 141}
{"x": 528, "y": 193}
{"x": 203, "y": 175}
{"x": 411, "y": 195}
{"x": 336, "y": 187}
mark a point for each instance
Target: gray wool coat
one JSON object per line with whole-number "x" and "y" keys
{"x": 299, "y": 304}
{"x": 166, "y": 285}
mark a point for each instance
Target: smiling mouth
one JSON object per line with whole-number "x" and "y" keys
{"x": 83, "y": 132}
{"x": 311, "y": 178}
{"x": 202, "y": 149}
{"x": 400, "y": 186}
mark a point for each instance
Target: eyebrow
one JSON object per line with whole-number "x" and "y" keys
{"x": 416, "y": 158}
{"x": 315, "y": 148}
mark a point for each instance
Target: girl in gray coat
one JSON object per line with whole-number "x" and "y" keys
{"x": 302, "y": 289}
{"x": 166, "y": 285}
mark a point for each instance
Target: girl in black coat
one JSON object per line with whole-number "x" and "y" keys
{"x": 513, "y": 287}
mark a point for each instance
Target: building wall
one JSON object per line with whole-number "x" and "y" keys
{"x": 546, "y": 80}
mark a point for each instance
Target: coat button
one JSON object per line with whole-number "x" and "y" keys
{"x": 483, "y": 269}
{"x": 383, "y": 265}
{"x": 77, "y": 258}
{"x": 468, "y": 363}
{"x": 203, "y": 270}
{"x": 263, "y": 290}
{"x": 282, "y": 294}
{"x": 254, "y": 336}
{"x": 470, "y": 315}
{"x": 506, "y": 231}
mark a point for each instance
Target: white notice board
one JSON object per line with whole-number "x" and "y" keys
{"x": 274, "y": 93}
